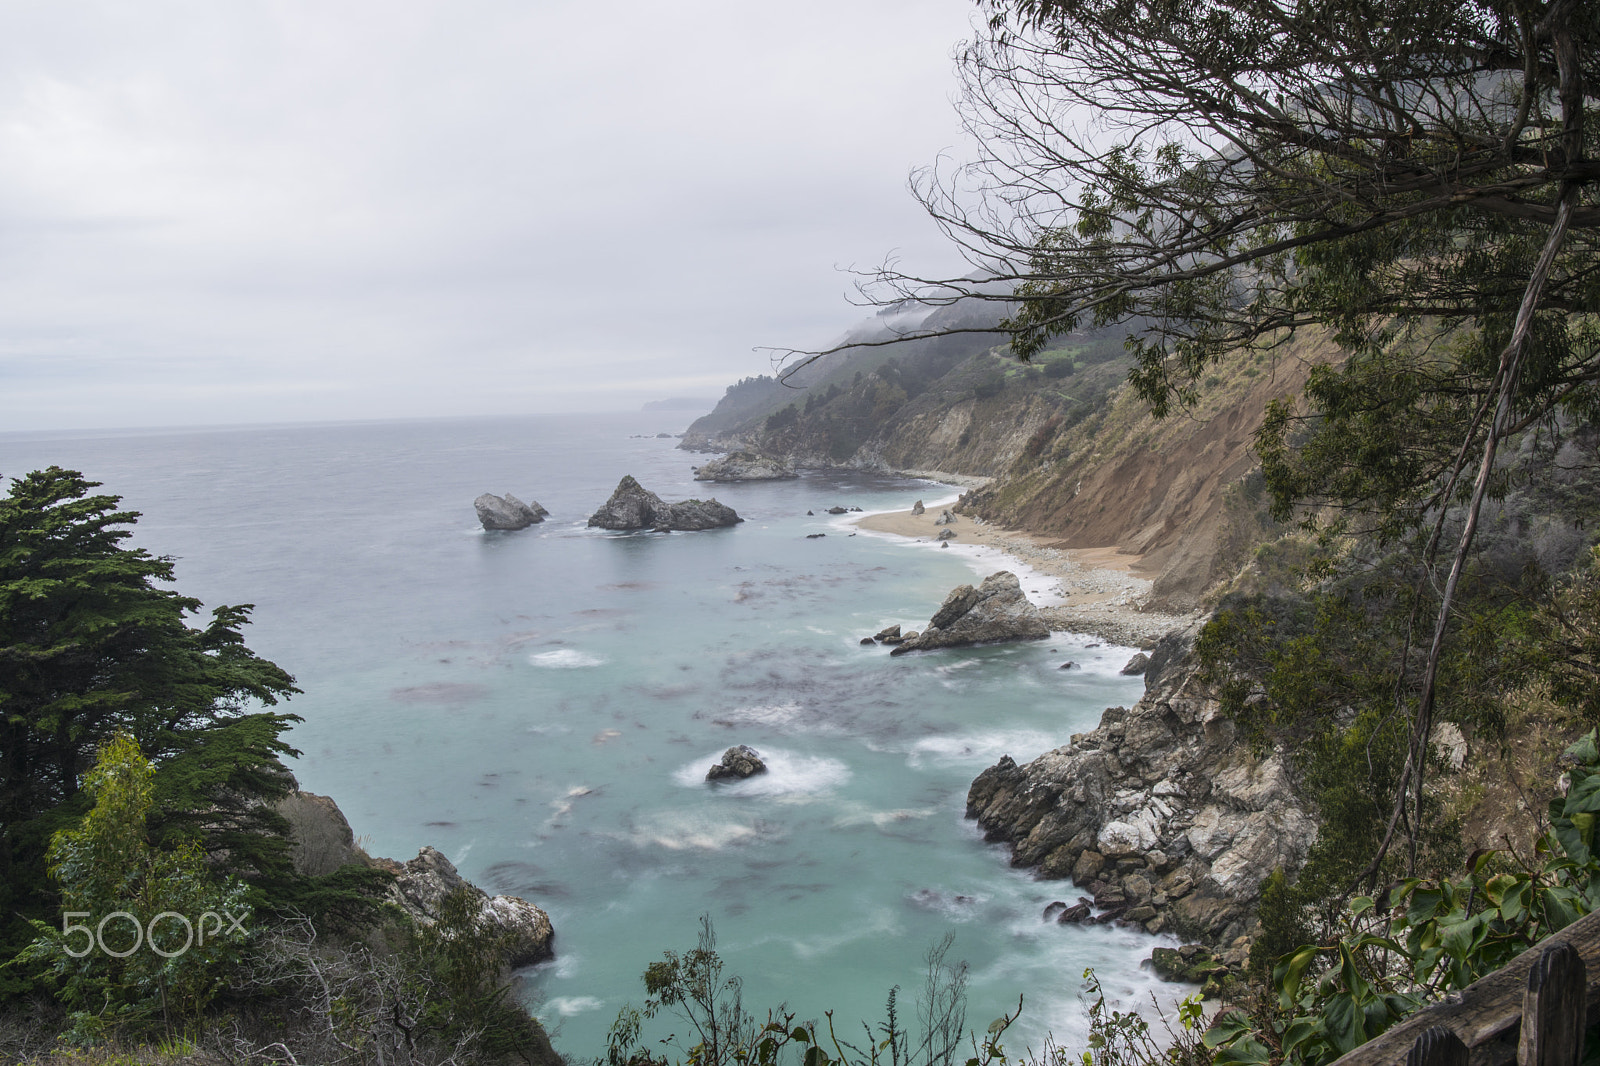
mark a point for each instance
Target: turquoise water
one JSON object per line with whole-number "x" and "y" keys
{"x": 543, "y": 705}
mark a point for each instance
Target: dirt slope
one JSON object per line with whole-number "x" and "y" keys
{"x": 1163, "y": 490}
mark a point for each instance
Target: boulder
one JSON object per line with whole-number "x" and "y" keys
{"x": 507, "y": 512}
{"x": 945, "y": 518}
{"x": 994, "y": 612}
{"x": 917, "y": 508}
{"x": 737, "y": 764}
{"x": 836, "y": 509}
{"x": 887, "y": 633}
{"x": 632, "y": 506}
{"x": 745, "y": 466}
{"x": 1136, "y": 665}
{"x": 946, "y": 534}
{"x": 421, "y": 885}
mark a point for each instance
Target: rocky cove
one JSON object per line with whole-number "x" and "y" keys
{"x": 1160, "y": 816}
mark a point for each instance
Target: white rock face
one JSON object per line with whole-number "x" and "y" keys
{"x": 420, "y": 888}
{"x": 1161, "y": 804}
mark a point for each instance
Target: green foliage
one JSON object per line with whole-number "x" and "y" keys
{"x": 691, "y": 987}
{"x": 176, "y": 928}
{"x": 463, "y": 956}
{"x": 989, "y": 384}
{"x": 92, "y": 648}
{"x": 1423, "y": 938}
{"x": 1122, "y": 1038}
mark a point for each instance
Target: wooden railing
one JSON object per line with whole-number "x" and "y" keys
{"x": 1532, "y": 1012}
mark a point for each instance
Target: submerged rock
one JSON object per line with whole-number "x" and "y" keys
{"x": 994, "y": 612}
{"x": 745, "y": 466}
{"x": 737, "y": 764}
{"x": 632, "y": 506}
{"x": 507, "y": 512}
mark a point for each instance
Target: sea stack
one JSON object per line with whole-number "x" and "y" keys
{"x": 632, "y": 506}
{"x": 507, "y": 512}
{"x": 994, "y": 612}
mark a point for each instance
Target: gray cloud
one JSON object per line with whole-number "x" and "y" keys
{"x": 279, "y": 210}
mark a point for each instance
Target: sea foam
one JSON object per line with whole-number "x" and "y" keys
{"x": 789, "y": 775}
{"x": 565, "y": 659}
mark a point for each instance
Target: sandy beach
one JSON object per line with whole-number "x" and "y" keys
{"x": 1100, "y": 589}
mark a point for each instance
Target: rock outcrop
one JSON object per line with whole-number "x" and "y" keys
{"x": 745, "y": 466}
{"x": 1161, "y": 813}
{"x": 321, "y": 842}
{"x": 507, "y": 512}
{"x": 421, "y": 885}
{"x": 632, "y": 506}
{"x": 320, "y": 839}
{"x": 737, "y": 763}
{"x": 994, "y": 612}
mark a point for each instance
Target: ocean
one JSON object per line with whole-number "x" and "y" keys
{"x": 542, "y": 705}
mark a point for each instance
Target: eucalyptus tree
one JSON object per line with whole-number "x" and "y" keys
{"x": 1415, "y": 178}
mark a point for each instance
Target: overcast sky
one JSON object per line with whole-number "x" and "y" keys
{"x": 275, "y": 211}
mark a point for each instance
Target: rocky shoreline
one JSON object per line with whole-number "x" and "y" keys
{"x": 1160, "y": 817}
{"x": 1161, "y": 814}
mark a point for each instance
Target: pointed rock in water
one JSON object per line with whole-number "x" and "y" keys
{"x": 737, "y": 764}
{"x": 632, "y": 506}
{"x": 745, "y": 466}
{"x": 507, "y": 512}
{"x": 993, "y": 612}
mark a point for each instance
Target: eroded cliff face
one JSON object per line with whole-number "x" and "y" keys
{"x": 1173, "y": 491}
{"x": 1161, "y": 816}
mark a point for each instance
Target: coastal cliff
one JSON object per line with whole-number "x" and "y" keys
{"x": 1072, "y": 455}
{"x": 1162, "y": 816}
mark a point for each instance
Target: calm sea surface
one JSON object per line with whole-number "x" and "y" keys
{"x": 542, "y": 706}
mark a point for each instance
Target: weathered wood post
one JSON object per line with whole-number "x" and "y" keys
{"x": 1437, "y": 1046}
{"x": 1553, "y": 1009}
